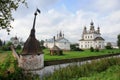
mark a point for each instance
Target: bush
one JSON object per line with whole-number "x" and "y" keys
{"x": 108, "y": 47}
{"x": 42, "y": 47}
{"x": 74, "y": 48}
{"x": 18, "y": 47}
{"x": 97, "y": 49}
{"x": 91, "y": 49}
{"x": 5, "y": 48}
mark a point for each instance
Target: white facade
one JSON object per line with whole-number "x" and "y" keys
{"x": 60, "y": 42}
{"x": 91, "y": 38}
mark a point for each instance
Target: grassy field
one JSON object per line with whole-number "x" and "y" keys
{"x": 66, "y": 54}
{"x": 3, "y": 55}
{"x": 78, "y": 54}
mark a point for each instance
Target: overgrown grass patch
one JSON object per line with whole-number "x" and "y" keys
{"x": 112, "y": 73}
{"x": 73, "y": 72}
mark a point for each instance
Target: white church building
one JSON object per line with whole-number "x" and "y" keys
{"x": 60, "y": 41}
{"x": 91, "y": 38}
{"x": 15, "y": 41}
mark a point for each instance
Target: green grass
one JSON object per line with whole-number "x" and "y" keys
{"x": 104, "y": 69}
{"x": 112, "y": 73}
{"x": 66, "y": 54}
{"x": 3, "y": 55}
{"x": 77, "y": 54}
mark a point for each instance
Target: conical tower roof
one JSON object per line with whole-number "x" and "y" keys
{"x": 32, "y": 45}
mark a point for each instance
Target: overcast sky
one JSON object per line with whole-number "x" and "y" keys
{"x": 69, "y": 16}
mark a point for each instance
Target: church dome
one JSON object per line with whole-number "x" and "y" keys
{"x": 91, "y": 23}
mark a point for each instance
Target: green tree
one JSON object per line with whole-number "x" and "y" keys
{"x": 42, "y": 42}
{"x": 108, "y": 46}
{"x": 75, "y": 47}
{"x": 1, "y": 43}
{"x": 6, "y": 9}
{"x": 18, "y": 47}
{"x": 4, "y": 43}
{"x": 118, "y": 41}
{"x": 6, "y": 47}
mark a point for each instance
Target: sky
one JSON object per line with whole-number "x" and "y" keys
{"x": 68, "y": 16}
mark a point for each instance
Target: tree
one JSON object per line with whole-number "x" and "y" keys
{"x": 6, "y": 8}
{"x": 42, "y": 44}
{"x": 4, "y": 43}
{"x": 18, "y": 47}
{"x": 118, "y": 41}
{"x": 108, "y": 46}
{"x": 75, "y": 47}
{"x": 6, "y": 47}
{"x": 1, "y": 43}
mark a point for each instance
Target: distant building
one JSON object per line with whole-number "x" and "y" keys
{"x": 15, "y": 41}
{"x": 91, "y": 38}
{"x": 60, "y": 42}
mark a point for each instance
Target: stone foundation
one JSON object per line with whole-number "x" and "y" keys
{"x": 31, "y": 62}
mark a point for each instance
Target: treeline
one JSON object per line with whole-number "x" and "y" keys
{"x": 2, "y": 43}
{"x": 5, "y": 46}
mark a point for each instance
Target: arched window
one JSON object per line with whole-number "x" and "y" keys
{"x": 81, "y": 46}
{"x": 91, "y": 36}
{"x": 99, "y": 46}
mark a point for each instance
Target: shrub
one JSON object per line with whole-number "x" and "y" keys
{"x": 5, "y": 48}
{"x": 97, "y": 49}
{"x": 91, "y": 49}
{"x": 74, "y": 48}
{"x": 78, "y": 49}
{"x": 18, "y": 47}
{"x": 43, "y": 47}
{"x": 108, "y": 47}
